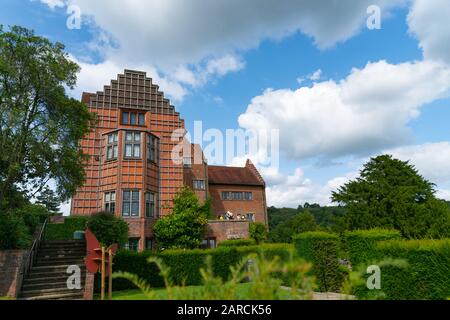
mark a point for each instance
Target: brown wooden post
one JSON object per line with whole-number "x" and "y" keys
{"x": 110, "y": 275}
{"x": 102, "y": 294}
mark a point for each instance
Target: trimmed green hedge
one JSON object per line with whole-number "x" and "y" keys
{"x": 360, "y": 244}
{"x": 64, "y": 231}
{"x": 237, "y": 243}
{"x": 185, "y": 264}
{"x": 427, "y": 275}
{"x": 321, "y": 249}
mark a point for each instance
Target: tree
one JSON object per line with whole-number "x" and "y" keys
{"x": 49, "y": 200}
{"x": 258, "y": 232}
{"x": 390, "y": 193}
{"x": 185, "y": 226}
{"x": 301, "y": 222}
{"x": 40, "y": 126}
{"x": 108, "y": 229}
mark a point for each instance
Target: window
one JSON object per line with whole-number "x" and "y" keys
{"x": 110, "y": 202}
{"x": 149, "y": 205}
{"x": 250, "y": 217}
{"x": 151, "y": 148}
{"x": 141, "y": 119}
{"x": 130, "y": 203}
{"x": 111, "y": 147}
{"x": 187, "y": 163}
{"x": 132, "y": 244}
{"x": 209, "y": 243}
{"x": 133, "y": 118}
{"x": 148, "y": 244}
{"x": 199, "y": 184}
{"x": 237, "y": 195}
{"x": 132, "y": 144}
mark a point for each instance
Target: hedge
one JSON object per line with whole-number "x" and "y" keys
{"x": 360, "y": 244}
{"x": 321, "y": 249}
{"x": 237, "y": 243}
{"x": 185, "y": 265}
{"x": 427, "y": 275}
{"x": 64, "y": 231}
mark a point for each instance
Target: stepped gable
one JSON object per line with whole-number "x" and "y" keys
{"x": 131, "y": 90}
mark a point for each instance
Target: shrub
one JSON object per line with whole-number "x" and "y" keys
{"x": 237, "y": 243}
{"x": 185, "y": 226}
{"x": 185, "y": 264}
{"x": 321, "y": 249}
{"x": 108, "y": 228}
{"x": 64, "y": 231}
{"x": 360, "y": 245}
{"x": 427, "y": 275}
{"x": 258, "y": 232}
{"x": 14, "y": 233}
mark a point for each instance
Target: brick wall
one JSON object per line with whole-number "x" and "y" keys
{"x": 227, "y": 230}
{"x": 10, "y": 268}
{"x": 256, "y": 206}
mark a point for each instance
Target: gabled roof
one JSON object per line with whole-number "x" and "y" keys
{"x": 245, "y": 176}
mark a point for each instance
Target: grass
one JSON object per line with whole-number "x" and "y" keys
{"x": 161, "y": 293}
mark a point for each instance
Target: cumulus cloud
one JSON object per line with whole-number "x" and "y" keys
{"x": 204, "y": 37}
{"x": 93, "y": 76}
{"x": 428, "y": 22}
{"x": 316, "y": 75}
{"x": 367, "y": 111}
{"x": 296, "y": 189}
{"x": 177, "y": 31}
{"x": 432, "y": 160}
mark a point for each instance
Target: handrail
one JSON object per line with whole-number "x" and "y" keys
{"x": 31, "y": 257}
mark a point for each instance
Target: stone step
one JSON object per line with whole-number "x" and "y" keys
{"x": 65, "y": 296}
{"x": 57, "y": 262}
{"x": 53, "y": 294}
{"x": 62, "y": 251}
{"x": 63, "y": 242}
{"x": 45, "y": 274}
{"x": 49, "y": 278}
{"x": 59, "y": 257}
{"x": 61, "y": 268}
{"x": 60, "y": 284}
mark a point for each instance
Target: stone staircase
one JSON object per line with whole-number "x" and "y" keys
{"x": 47, "y": 279}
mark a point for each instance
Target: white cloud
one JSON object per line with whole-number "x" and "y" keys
{"x": 93, "y": 76}
{"x": 432, "y": 160}
{"x": 296, "y": 189}
{"x": 316, "y": 75}
{"x": 428, "y": 21}
{"x": 176, "y": 31}
{"x": 54, "y": 3}
{"x": 367, "y": 111}
{"x": 443, "y": 194}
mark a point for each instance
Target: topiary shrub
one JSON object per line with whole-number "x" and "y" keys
{"x": 185, "y": 264}
{"x": 64, "y": 231}
{"x": 427, "y": 275}
{"x": 321, "y": 249}
{"x": 108, "y": 228}
{"x": 361, "y": 244}
{"x": 237, "y": 243}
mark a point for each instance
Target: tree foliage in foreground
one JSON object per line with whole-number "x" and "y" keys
{"x": 185, "y": 226}
{"x": 391, "y": 194}
{"x": 40, "y": 126}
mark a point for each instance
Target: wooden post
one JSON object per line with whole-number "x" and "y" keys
{"x": 102, "y": 294}
{"x": 110, "y": 275}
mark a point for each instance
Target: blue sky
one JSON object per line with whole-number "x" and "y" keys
{"x": 248, "y": 65}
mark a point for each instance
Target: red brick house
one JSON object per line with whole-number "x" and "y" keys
{"x": 130, "y": 170}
